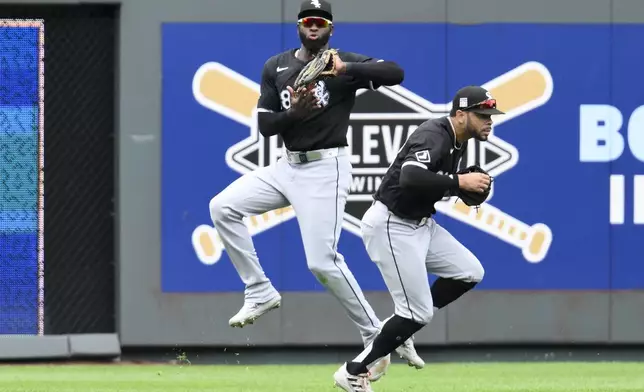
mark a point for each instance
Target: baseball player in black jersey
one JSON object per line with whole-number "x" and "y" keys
{"x": 313, "y": 175}
{"x": 403, "y": 239}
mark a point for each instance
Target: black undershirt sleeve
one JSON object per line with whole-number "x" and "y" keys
{"x": 423, "y": 180}
{"x": 272, "y": 118}
{"x": 382, "y": 73}
{"x": 418, "y": 172}
{"x": 270, "y": 123}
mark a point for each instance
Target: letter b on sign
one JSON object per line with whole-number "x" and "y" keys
{"x": 599, "y": 137}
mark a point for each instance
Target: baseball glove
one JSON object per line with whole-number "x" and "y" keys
{"x": 322, "y": 65}
{"x": 471, "y": 198}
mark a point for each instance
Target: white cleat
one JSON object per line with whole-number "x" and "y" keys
{"x": 407, "y": 351}
{"x": 252, "y": 311}
{"x": 379, "y": 369}
{"x": 351, "y": 383}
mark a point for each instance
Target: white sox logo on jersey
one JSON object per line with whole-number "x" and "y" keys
{"x": 321, "y": 93}
{"x": 380, "y": 124}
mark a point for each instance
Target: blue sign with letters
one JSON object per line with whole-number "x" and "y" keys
{"x": 567, "y": 207}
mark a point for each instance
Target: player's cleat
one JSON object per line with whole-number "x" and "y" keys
{"x": 379, "y": 369}
{"x": 252, "y": 311}
{"x": 407, "y": 351}
{"x": 351, "y": 383}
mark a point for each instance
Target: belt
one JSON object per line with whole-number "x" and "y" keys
{"x": 313, "y": 155}
{"x": 422, "y": 221}
{"x": 419, "y": 222}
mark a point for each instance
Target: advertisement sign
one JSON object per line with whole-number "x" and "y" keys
{"x": 567, "y": 207}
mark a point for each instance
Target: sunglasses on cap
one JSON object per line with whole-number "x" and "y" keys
{"x": 487, "y": 104}
{"x": 314, "y": 20}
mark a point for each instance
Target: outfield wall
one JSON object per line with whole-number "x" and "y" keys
{"x": 568, "y": 161}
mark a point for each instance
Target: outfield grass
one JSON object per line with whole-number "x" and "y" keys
{"x": 488, "y": 377}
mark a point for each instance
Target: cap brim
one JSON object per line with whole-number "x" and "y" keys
{"x": 315, "y": 12}
{"x": 486, "y": 111}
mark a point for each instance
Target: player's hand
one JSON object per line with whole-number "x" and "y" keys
{"x": 475, "y": 182}
{"x": 303, "y": 100}
{"x": 339, "y": 66}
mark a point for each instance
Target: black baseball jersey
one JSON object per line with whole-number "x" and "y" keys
{"x": 431, "y": 146}
{"x": 327, "y": 126}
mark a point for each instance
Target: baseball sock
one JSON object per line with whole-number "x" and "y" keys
{"x": 395, "y": 331}
{"x": 445, "y": 291}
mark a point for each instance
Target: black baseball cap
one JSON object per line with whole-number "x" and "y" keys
{"x": 474, "y": 99}
{"x": 319, "y": 8}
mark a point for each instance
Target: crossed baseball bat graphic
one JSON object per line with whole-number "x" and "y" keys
{"x": 519, "y": 90}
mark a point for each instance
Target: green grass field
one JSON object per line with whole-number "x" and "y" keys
{"x": 488, "y": 377}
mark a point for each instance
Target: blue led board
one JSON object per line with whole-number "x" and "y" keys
{"x": 21, "y": 177}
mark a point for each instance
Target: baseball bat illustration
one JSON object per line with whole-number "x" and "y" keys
{"x": 517, "y": 91}
{"x": 534, "y": 241}
{"x": 207, "y": 242}
{"x": 520, "y": 90}
{"x": 225, "y": 91}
